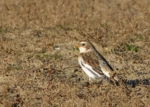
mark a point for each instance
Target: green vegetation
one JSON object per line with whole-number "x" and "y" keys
{"x": 132, "y": 48}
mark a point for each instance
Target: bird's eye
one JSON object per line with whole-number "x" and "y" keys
{"x": 83, "y": 44}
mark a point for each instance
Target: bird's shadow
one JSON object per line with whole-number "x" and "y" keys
{"x": 134, "y": 83}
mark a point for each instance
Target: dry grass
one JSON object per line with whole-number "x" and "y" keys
{"x": 30, "y": 31}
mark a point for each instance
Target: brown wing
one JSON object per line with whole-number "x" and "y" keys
{"x": 91, "y": 59}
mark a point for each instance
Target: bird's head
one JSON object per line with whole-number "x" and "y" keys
{"x": 85, "y": 46}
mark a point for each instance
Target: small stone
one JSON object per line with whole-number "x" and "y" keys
{"x": 57, "y": 47}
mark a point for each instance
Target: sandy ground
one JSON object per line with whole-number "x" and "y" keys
{"x": 38, "y": 56}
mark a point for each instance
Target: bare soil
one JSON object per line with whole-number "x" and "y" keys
{"x": 38, "y": 54}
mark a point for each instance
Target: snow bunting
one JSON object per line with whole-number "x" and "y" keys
{"x": 93, "y": 63}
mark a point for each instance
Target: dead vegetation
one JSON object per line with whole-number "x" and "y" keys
{"x": 39, "y": 65}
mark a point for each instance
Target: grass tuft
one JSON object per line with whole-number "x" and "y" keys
{"x": 132, "y": 48}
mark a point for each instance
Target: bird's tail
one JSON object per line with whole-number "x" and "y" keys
{"x": 114, "y": 76}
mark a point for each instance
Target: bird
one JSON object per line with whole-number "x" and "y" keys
{"x": 93, "y": 63}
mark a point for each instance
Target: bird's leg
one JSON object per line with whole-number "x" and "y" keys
{"x": 90, "y": 79}
{"x": 109, "y": 80}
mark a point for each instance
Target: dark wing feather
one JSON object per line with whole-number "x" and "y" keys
{"x": 100, "y": 56}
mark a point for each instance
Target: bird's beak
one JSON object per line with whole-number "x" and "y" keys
{"x": 78, "y": 45}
